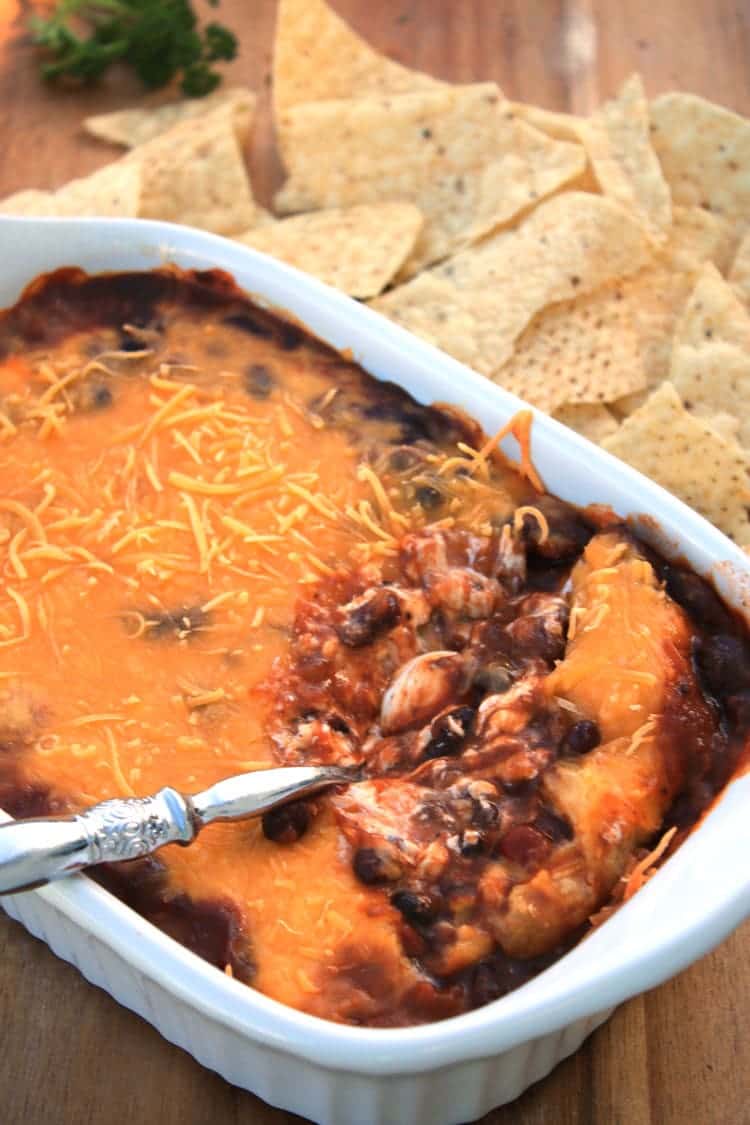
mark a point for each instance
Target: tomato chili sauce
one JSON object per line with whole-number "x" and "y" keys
{"x": 225, "y": 547}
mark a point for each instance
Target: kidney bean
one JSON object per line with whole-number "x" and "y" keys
{"x": 524, "y": 845}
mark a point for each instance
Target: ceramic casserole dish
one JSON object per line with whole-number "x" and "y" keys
{"x": 457, "y": 1069}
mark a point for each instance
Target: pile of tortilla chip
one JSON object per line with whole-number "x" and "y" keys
{"x": 599, "y": 267}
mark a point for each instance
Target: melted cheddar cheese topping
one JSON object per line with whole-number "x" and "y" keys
{"x": 225, "y": 547}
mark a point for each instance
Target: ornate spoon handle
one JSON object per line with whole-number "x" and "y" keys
{"x": 34, "y": 852}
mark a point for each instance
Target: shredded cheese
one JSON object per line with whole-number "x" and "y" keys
{"x": 643, "y": 871}
{"x": 528, "y": 510}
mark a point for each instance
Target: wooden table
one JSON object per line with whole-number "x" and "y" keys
{"x": 678, "y": 1056}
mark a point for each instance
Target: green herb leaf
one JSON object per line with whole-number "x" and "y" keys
{"x": 160, "y": 39}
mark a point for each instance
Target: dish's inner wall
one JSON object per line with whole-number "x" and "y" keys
{"x": 225, "y": 546}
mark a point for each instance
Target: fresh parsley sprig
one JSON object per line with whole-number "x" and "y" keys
{"x": 159, "y": 39}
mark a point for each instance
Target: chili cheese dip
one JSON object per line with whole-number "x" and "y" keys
{"x": 226, "y": 547}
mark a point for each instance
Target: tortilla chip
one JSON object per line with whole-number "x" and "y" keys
{"x": 441, "y": 315}
{"x": 30, "y": 202}
{"x": 594, "y": 422}
{"x": 195, "y": 174}
{"x": 317, "y": 57}
{"x": 456, "y": 154}
{"x": 726, "y": 425}
{"x": 698, "y": 236}
{"x": 131, "y": 127}
{"x": 632, "y": 324}
{"x": 616, "y": 138}
{"x": 617, "y": 142}
{"x": 739, "y": 274}
{"x": 715, "y": 379}
{"x": 656, "y": 297}
{"x": 711, "y": 353}
{"x": 559, "y": 126}
{"x": 713, "y": 312}
{"x": 357, "y": 249}
{"x": 113, "y": 191}
{"x": 704, "y": 152}
{"x": 476, "y": 304}
{"x": 581, "y": 351}
{"x": 664, "y": 441}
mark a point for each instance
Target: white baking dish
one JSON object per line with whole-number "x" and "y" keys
{"x": 457, "y": 1069}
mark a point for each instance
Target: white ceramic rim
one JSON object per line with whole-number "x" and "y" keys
{"x": 694, "y": 901}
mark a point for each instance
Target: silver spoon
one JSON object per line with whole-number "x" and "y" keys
{"x": 34, "y": 852}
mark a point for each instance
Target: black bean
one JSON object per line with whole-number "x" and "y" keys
{"x": 338, "y": 724}
{"x": 522, "y": 789}
{"x": 449, "y": 732}
{"x": 130, "y": 343}
{"x": 553, "y": 826}
{"x": 360, "y": 622}
{"x": 253, "y": 326}
{"x": 484, "y": 813}
{"x": 568, "y": 534}
{"x": 428, "y": 497}
{"x": 374, "y": 867}
{"x": 176, "y": 622}
{"x": 258, "y": 380}
{"x": 696, "y": 596}
{"x": 290, "y": 337}
{"x": 723, "y": 663}
{"x": 582, "y": 737}
{"x": 101, "y": 397}
{"x": 419, "y": 909}
{"x": 403, "y": 458}
{"x": 287, "y": 823}
{"x": 471, "y": 843}
{"x": 498, "y": 976}
{"x": 738, "y": 709}
{"x": 414, "y": 424}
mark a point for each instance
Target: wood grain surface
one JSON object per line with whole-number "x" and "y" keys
{"x": 677, "y": 1056}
